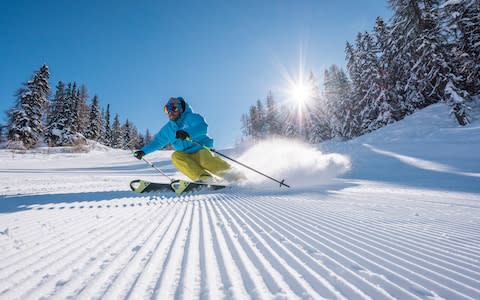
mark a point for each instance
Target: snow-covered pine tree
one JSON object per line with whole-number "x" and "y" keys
{"x": 423, "y": 49}
{"x": 95, "y": 121}
{"x": 26, "y": 118}
{"x": 462, "y": 23}
{"x": 341, "y": 109}
{"x": 246, "y": 125}
{"x": 141, "y": 141}
{"x": 253, "y": 122}
{"x": 127, "y": 135}
{"x": 370, "y": 89}
{"x": 354, "y": 67}
{"x": 373, "y": 63}
{"x": 135, "y": 141}
{"x": 130, "y": 136}
{"x": 75, "y": 98}
{"x": 70, "y": 109}
{"x": 57, "y": 117}
{"x": 259, "y": 122}
{"x": 318, "y": 126}
{"x": 387, "y": 100}
{"x": 107, "y": 130}
{"x": 71, "y": 115}
{"x": 292, "y": 126}
{"x": 256, "y": 121}
{"x": 3, "y": 135}
{"x": 356, "y": 87}
{"x": 462, "y": 20}
{"x": 272, "y": 118}
{"x": 62, "y": 129}
{"x": 83, "y": 110}
{"x": 102, "y": 126}
{"x": 321, "y": 127}
{"x": 117, "y": 134}
{"x": 406, "y": 35}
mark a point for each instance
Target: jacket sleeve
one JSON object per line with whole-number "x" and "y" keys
{"x": 159, "y": 141}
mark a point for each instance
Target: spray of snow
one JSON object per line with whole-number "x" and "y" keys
{"x": 298, "y": 163}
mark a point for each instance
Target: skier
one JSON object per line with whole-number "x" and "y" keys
{"x": 190, "y": 158}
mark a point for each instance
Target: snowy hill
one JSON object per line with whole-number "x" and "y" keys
{"x": 392, "y": 214}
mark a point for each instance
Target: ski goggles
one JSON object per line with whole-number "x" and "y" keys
{"x": 171, "y": 107}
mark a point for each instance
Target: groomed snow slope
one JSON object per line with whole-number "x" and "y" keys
{"x": 394, "y": 214}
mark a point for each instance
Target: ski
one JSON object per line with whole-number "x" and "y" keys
{"x": 176, "y": 186}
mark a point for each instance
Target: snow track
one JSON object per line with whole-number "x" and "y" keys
{"x": 238, "y": 244}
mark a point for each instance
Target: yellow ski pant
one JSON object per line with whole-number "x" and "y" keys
{"x": 195, "y": 164}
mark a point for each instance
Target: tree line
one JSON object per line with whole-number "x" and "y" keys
{"x": 66, "y": 119}
{"x": 428, "y": 52}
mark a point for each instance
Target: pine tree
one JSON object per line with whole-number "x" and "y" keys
{"x": 95, "y": 121}
{"x": 341, "y": 109}
{"x": 387, "y": 100}
{"x": 140, "y": 141}
{"x": 259, "y": 122}
{"x": 117, "y": 134}
{"x": 101, "y": 138}
{"x": 354, "y": 67}
{"x": 57, "y": 117}
{"x": 291, "y": 129}
{"x": 318, "y": 126}
{"x": 26, "y": 119}
{"x": 71, "y": 116}
{"x": 254, "y": 123}
{"x": 129, "y": 136}
{"x": 83, "y": 110}
{"x": 107, "y": 136}
{"x": 405, "y": 38}
{"x": 74, "y": 98}
{"x": 463, "y": 27}
{"x": 136, "y": 138}
{"x": 272, "y": 121}
{"x": 369, "y": 89}
{"x": 246, "y": 125}
{"x": 462, "y": 23}
{"x": 377, "y": 91}
{"x": 429, "y": 73}
{"x": 63, "y": 124}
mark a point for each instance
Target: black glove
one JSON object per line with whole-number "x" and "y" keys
{"x": 138, "y": 154}
{"x": 180, "y": 134}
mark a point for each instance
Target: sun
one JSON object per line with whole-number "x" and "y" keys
{"x": 299, "y": 95}
{"x": 300, "y": 92}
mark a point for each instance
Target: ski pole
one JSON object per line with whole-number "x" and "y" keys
{"x": 236, "y": 161}
{"x": 160, "y": 171}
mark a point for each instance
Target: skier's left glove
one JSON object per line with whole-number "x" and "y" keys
{"x": 180, "y": 134}
{"x": 138, "y": 154}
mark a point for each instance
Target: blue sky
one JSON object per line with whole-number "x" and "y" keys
{"x": 221, "y": 56}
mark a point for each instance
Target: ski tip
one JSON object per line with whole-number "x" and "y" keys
{"x": 139, "y": 186}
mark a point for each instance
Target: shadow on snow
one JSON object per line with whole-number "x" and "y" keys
{"x": 15, "y": 203}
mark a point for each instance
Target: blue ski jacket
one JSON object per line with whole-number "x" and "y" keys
{"x": 192, "y": 123}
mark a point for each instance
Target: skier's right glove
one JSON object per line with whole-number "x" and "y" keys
{"x": 138, "y": 154}
{"x": 181, "y": 134}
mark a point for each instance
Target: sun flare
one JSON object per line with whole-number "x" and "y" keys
{"x": 300, "y": 92}
{"x": 299, "y": 95}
